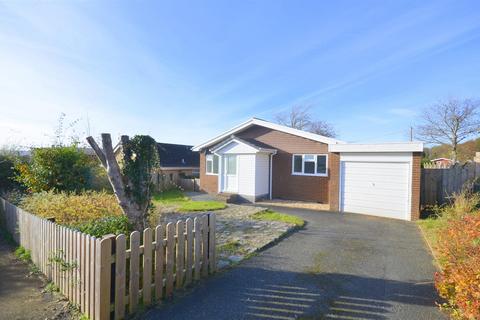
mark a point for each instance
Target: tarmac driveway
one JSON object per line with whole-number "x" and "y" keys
{"x": 341, "y": 266}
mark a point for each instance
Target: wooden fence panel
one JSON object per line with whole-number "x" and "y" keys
{"x": 134, "y": 270}
{"x": 120, "y": 276}
{"x": 81, "y": 265}
{"x": 159, "y": 260}
{"x": 180, "y": 254}
{"x": 147, "y": 266}
{"x": 440, "y": 183}
{"x": 189, "y": 251}
{"x": 170, "y": 256}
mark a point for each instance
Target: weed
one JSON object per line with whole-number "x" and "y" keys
{"x": 23, "y": 254}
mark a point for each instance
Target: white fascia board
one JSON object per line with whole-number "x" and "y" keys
{"x": 270, "y": 125}
{"x": 377, "y": 147}
{"x": 240, "y": 141}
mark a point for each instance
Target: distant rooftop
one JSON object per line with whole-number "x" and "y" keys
{"x": 177, "y": 155}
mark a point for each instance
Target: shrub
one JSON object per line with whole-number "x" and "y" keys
{"x": 459, "y": 281}
{"x": 58, "y": 168}
{"x": 8, "y": 172}
{"x": 457, "y": 245}
{"x": 72, "y": 209}
{"x": 103, "y": 226}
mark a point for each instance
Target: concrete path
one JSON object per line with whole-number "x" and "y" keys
{"x": 21, "y": 292}
{"x": 341, "y": 266}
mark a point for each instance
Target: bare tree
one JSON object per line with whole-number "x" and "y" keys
{"x": 133, "y": 196}
{"x": 450, "y": 122}
{"x": 300, "y": 117}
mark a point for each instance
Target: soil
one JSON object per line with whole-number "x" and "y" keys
{"x": 22, "y": 292}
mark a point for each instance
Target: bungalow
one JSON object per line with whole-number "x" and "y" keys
{"x": 259, "y": 159}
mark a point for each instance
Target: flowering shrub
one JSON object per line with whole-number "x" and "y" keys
{"x": 458, "y": 249}
{"x": 72, "y": 209}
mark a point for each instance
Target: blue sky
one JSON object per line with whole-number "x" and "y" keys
{"x": 183, "y": 71}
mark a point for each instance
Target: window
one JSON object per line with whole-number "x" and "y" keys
{"x": 231, "y": 165}
{"x": 309, "y": 164}
{"x": 212, "y": 164}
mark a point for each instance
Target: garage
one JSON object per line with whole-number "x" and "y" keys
{"x": 377, "y": 179}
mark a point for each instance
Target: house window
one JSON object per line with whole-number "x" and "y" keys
{"x": 309, "y": 164}
{"x": 231, "y": 165}
{"x": 212, "y": 164}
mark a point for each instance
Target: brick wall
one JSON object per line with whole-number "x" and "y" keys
{"x": 284, "y": 184}
{"x": 208, "y": 183}
{"x": 334, "y": 182}
{"x": 416, "y": 178}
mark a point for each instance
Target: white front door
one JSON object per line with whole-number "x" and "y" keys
{"x": 230, "y": 173}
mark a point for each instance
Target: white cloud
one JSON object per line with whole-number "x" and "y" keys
{"x": 403, "y": 112}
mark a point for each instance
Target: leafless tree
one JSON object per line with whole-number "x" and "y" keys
{"x": 450, "y": 122}
{"x": 300, "y": 117}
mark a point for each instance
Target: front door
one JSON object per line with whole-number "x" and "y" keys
{"x": 230, "y": 173}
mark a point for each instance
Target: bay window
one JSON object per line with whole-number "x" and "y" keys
{"x": 212, "y": 164}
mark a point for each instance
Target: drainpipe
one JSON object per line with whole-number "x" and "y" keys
{"x": 270, "y": 178}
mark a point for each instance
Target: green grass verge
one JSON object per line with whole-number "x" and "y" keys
{"x": 431, "y": 228}
{"x": 201, "y": 206}
{"x": 173, "y": 196}
{"x": 269, "y": 215}
{"x": 176, "y": 198}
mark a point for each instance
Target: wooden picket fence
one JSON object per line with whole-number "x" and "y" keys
{"x": 106, "y": 278}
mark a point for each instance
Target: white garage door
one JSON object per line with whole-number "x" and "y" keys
{"x": 376, "y": 188}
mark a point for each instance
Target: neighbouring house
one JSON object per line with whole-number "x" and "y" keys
{"x": 259, "y": 159}
{"x": 176, "y": 161}
{"x": 442, "y": 162}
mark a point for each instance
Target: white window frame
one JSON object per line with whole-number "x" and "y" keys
{"x": 211, "y": 157}
{"x": 303, "y": 165}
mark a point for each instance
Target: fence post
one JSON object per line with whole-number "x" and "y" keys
{"x": 103, "y": 269}
{"x": 211, "y": 242}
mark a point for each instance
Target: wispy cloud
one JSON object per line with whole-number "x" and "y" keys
{"x": 403, "y": 112}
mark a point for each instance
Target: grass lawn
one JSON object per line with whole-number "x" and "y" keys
{"x": 184, "y": 204}
{"x": 270, "y": 215}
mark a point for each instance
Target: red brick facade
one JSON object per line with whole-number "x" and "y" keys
{"x": 208, "y": 182}
{"x": 416, "y": 178}
{"x": 284, "y": 184}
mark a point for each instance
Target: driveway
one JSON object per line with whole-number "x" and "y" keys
{"x": 341, "y": 266}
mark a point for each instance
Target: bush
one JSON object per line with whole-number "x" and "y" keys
{"x": 8, "y": 172}
{"x": 458, "y": 249}
{"x": 459, "y": 281}
{"x": 72, "y": 208}
{"x": 103, "y": 226}
{"x": 58, "y": 168}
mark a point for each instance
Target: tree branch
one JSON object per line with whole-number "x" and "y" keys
{"x": 98, "y": 151}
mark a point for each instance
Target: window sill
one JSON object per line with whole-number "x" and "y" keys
{"x": 310, "y": 174}
{"x": 211, "y": 174}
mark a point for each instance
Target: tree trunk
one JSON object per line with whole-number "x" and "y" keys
{"x": 135, "y": 214}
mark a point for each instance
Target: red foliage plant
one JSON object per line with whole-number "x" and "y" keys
{"x": 459, "y": 252}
